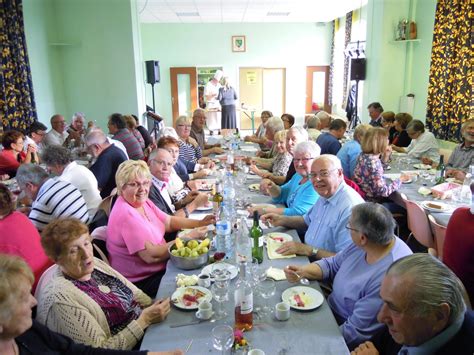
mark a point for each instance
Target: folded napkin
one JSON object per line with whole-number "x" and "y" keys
{"x": 276, "y": 274}
{"x": 424, "y": 191}
{"x": 272, "y": 246}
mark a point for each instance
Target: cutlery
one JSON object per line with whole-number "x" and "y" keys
{"x": 193, "y": 322}
{"x": 303, "y": 280}
{"x": 189, "y": 346}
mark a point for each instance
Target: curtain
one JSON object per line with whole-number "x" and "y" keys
{"x": 450, "y": 82}
{"x": 347, "y": 39}
{"x": 17, "y": 104}
{"x": 331, "y": 67}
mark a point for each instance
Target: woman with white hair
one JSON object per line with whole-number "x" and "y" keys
{"x": 272, "y": 126}
{"x": 227, "y": 97}
{"x": 298, "y": 194}
{"x": 189, "y": 148}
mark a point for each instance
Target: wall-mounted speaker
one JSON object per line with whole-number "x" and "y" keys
{"x": 152, "y": 71}
{"x": 358, "y": 68}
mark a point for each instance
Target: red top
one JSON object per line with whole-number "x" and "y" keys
{"x": 458, "y": 251}
{"x": 9, "y": 163}
{"x": 18, "y": 236}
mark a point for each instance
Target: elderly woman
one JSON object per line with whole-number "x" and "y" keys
{"x": 136, "y": 228}
{"x": 388, "y": 122}
{"x": 18, "y": 236}
{"x": 12, "y": 155}
{"x": 312, "y": 126}
{"x": 189, "y": 149}
{"x": 369, "y": 169}
{"x": 288, "y": 120}
{"x": 401, "y": 138}
{"x": 298, "y": 194}
{"x": 278, "y": 167}
{"x": 86, "y": 299}
{"x": 22, "y": 335}
{"x": 227, "y": 98}
{"x": 357, "y": 271}
{"x": 259, "y": 136}
{"x": 273, "y": 125}
{"x": 132, "y": 127}
{"x": 350, "y": 151}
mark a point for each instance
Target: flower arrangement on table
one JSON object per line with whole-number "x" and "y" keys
{"x": 239, "y": 341}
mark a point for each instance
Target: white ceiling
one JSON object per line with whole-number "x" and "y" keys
{"x": 238, "y": 11}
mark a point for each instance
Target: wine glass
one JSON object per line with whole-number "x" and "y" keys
{"x": 220, "y": 293}
{"x": 267, "y": 289}
{"x": 223, "y": 338}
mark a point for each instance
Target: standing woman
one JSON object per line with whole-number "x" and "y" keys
{"x": 227, "y": 97}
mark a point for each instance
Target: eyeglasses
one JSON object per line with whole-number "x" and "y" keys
{"x": 184, "y": 126}
{"x": 348, "y": 226}
{"x": 163, "y": 163}
{"x": 304, "y": 160}
{"x": 321, "y": 174}
{"x": 136, "y": 185}
{"x": 40, "y": 133}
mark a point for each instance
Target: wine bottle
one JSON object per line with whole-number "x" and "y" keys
{"x": 243, "y": 297}
{"x": 256, "y": 234}
{"x": 440, "y": 170}
{"x": 217, "y": 199}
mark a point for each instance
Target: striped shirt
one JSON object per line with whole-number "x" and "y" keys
{"x": 57, "y": 199}
{"x": 134, "y": 150}
{"x": 188, "y": 152}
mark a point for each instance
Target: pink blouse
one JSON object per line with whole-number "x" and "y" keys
{"x": 127, "y": 232}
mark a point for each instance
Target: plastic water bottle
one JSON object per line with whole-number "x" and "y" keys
{"x": 243, "y": 244}
{"x": 224, "y": 232}
{"x": 229, "y": 193}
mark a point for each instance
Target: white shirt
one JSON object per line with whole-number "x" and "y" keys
{"x": 425, "y": 145}
{"x": 55, "y": 138}
{"x": 29, "y": 141}
{"x": 84, "y": 180}
{"x": 162, "y": 187}
{"x": 175, "y": 184}
{"x": 119, "y": 145}
{"x": 211, "y": 89}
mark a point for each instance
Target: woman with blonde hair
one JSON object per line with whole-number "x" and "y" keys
{"x": 189, "y": 148}
{"x": 350, "y": 151}
{"x": 369, "y": 169}
{"x": 227, "y": 97}
{"x": 135, "y": 233}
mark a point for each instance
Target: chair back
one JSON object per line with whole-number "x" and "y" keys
{"x": 356, "y": 187}
{"x": 439, "y": 232}
{"x": 418, "y": 223}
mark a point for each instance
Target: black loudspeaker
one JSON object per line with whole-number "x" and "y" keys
{"x": 358, "y": 68}
{"x": 152, "y": 71}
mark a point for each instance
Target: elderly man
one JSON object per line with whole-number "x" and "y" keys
{"x": 423, "y": 309}
{"x": 58, "y": 135}
{"x": 197, "y": 133}
{"x": 59, "y": 161}
{"x": 326, "y": 221}
{"x": 52, "y": 198}
{"x": 108, "y": 158}
{"x": 118, "y": 127}
{"x": 161, "y": 164}
{"x": 329, "y": 141}
{"x": 36, "y": 133}
{"x": 463, "y": 155}
{"x": 78, "y": 124}
{"x": 375, "y": 112}
{"x": 423, "y": 144}
{"x": 295, "y": 135}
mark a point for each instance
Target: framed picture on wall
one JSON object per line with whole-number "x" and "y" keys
{"x": 238, "y": 44}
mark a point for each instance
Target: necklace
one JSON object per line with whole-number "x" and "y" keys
{"x": 104, "y": 289}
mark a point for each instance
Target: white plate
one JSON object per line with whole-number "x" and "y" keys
{"x": 204, "y": 208}
{"x": 314, "y": 298}
{"x": 422, "y": 166}
{"x": 254, "y": 187}
{"x": 279, "y": 237}
{"x": 443, "y": 207}
{"x": 409, "y": 181}
{"x": 231, "y": 269}
{"x": 263, "y": 205}
{"x": 392, "y": 177}
{"x": 177, "y": 297}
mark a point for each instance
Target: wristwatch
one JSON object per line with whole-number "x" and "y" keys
{"x": 314, "y": 252}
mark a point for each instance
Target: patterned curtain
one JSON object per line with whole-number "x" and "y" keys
{"x": 347, "y": 39}
{"x": 17, "y": 104}
{"x": 331, "y": 67}
{"x": 450, "y": 83}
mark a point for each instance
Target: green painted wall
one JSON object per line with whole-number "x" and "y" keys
{"x": 292, "y": 46}
{"x": 95, "y": 71}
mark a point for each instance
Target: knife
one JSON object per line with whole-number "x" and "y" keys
{"x": 197, "y": 321}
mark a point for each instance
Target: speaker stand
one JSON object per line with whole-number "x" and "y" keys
{"x": 355, "y": 120}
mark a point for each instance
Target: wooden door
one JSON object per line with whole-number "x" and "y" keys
{"x": 183, "y": 91}
{"x": 317, "y": 88}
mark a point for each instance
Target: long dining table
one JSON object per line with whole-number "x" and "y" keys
{"x": 315, "y": 331}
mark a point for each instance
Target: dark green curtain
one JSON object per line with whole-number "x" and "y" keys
{"x": 450, "y": 101}
{"x": 17, "y": 104}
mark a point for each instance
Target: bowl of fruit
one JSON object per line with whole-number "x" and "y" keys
{"x": 189, "y": 254}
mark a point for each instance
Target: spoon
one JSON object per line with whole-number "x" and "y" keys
{"x": 303, "y": 280}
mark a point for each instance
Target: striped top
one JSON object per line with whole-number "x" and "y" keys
{"x": 188, "y": 152}
{"x": 131, "y": 143}
{"x": 57, "y": 199}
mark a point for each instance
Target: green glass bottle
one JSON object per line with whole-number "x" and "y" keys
{"x": 256, "y": 234}
{"x": 440, "y": 170}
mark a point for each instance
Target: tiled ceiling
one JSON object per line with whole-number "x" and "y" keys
{"x": 238, "y": 11}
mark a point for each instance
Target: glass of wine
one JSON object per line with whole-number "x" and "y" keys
{"x": 220, "y": 292}
{"x": 267, "y": 289}
{"x": 223, "y": 338}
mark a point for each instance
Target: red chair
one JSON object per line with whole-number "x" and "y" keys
{"x": 355, "y": 187}
{"x": 439, "y": 232}
{"x": 418, "y": 223}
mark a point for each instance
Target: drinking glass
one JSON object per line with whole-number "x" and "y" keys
{"x": 267, "y": 289}
{"x": 223, "y": 338}
{"x": 220, "y": 293}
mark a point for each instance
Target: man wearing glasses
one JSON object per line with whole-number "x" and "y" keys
{"x": 36, "y": 133}
{"x": 197, "y": 132}
{"x": 325, "y": 223}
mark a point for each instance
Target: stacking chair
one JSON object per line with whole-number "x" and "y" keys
{"x": 439, "y": 232}
{"x": 418, "y": 223}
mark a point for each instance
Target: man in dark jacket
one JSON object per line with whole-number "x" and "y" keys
{"x": 424, "y": 311}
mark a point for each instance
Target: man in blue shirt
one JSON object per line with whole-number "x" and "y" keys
{"x": 325, "y": 223}
{"x": 329, "y": 141}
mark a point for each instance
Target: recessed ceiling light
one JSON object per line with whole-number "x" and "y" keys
{"x": 187, "y": 14}
{"x": 278, "y": 13}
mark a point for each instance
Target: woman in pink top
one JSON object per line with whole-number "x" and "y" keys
{"x": 135, "y": 233}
